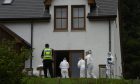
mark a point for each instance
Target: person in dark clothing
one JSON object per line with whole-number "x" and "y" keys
{"x": 47, "y": 56}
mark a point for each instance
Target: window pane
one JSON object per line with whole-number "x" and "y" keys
{"x": 7, "y": 1}
{"x": 78, "y": 19}
{"x": 75, "y": 12}
{"x": 75, "y": 23}
{"x": 81, "y": 12}
{"x": 64, "y": 12}
{"x": 81, "y": 22}
{"x": 64, "y": 23}
{"x": 58, "y": 23}
{"x": 60, "y": 17}
{"x": 58, "y": 12}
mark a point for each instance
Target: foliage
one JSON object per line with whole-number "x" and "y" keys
{"x": 11, "y": 62}
{"x": 130, "y": 37}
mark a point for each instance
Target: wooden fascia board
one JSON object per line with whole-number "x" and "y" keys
{"x": 47, "y": 2}
{"x": 91, "y": 2}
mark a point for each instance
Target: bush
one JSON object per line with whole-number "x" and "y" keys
{"x": 12, "y": 62}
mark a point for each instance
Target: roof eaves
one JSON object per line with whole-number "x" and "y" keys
{"x": 104, "y": 17}
{"x": 47, "y": 18}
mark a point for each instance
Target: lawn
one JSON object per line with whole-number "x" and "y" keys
{"x": 32, "y": 80}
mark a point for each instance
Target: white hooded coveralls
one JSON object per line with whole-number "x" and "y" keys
{"x": 109, "y": 65}
{"x": 64, "y": 65}
{"x": 89, "y": 66}
{"x": 81, "y": 65}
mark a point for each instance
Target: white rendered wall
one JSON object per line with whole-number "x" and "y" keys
{"x": 95, "y": 38}
{"x": 117, "y": 49}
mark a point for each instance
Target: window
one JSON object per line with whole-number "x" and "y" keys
{"x": 60, "y": 18}
{"x": 7, "y": 1}
{"x": 102, "y": 71}
{"x": 78, "y": 18}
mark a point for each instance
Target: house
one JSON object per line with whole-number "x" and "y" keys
{"x": 70, "y": 27}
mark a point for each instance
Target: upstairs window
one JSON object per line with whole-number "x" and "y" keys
{"x": 7, "y": 1}
{"x": 78, "y": 17}
{"x": 61, "y": 18}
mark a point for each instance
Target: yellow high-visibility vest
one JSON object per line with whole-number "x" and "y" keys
{"x": 47, "y": 53}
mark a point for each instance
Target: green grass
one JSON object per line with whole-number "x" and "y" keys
{"x": 36, "y": 80}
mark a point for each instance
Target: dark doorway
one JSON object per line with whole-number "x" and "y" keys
{"x": 72, "y": 57}
{"x": 59, "y": 56}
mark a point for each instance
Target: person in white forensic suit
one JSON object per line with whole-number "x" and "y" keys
{"x": 64, "y": 66}
{"x": 89, "y": 65}
{"x": 81, "y": 65}
{"x": 109, "y": 66}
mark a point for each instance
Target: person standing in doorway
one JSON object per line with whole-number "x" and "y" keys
{"x": 64, "y": 66}
{"x": 47, "y": 56}
{"x": 81, "y": 65}
{"x": 89, "y": 65}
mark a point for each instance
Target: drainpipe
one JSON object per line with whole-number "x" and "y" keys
{"x": 109, "y": 35}
{"x": 110, "y": 46}
{"x": 31, "y": 45}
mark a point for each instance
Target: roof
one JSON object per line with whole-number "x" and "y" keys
{"x": 23, "y": 9}
{"x": 14, "y": 35}
{"x": 104, "y": 9}
{"x": 35, "y": 10}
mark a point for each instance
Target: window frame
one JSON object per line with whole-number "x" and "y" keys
{"x": 55, "y": 18}
{"x": 72, "y": 17}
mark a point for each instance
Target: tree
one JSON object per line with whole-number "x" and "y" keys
{"x": 11, "y": 62}
{"x": 129, "y": 12}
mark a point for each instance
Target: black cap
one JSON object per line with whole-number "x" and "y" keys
{"x": 47, "y": 45}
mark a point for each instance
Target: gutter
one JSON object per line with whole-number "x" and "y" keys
{"x": 105, "y": 17}
{"x": 28, "y": 19}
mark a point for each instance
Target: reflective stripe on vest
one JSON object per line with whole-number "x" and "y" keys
{"x": 47, "y": 53}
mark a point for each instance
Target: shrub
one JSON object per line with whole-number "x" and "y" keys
{"x": 12, "y": 62}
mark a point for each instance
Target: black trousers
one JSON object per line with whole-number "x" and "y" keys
{"x": 47, "y": 64}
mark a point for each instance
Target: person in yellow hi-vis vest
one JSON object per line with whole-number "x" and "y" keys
{"x": 47, "y": 56}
